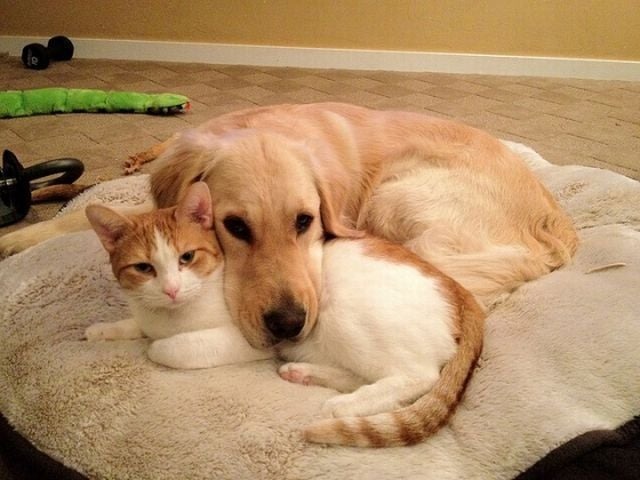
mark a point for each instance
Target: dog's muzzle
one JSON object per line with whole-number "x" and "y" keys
{"x": 285, "y": 322}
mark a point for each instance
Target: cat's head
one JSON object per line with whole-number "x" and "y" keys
{"x": 162, "y": 258}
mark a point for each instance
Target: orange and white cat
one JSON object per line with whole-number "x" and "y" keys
{"x": 395, "y": 335}
{"x": 170, "y": 267}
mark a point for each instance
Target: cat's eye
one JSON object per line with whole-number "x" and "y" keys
{"x": 187, "y": 257}
{"x": 145, "y": 268}
{"x": 238, "y": 228}
{"x": 303, "y": 222}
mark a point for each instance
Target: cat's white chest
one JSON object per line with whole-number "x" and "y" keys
{"x": 377, "y": 317}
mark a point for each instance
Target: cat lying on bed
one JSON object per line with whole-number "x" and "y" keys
{"x": 168, "y": 263}
{"x": 393, "y": 333}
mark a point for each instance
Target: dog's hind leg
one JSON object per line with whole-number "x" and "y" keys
{"x": 135, "y": 161}
{"x": 75, "y": 221}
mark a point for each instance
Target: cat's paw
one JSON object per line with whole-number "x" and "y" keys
{"x": 296, "y": 373}
{"x": 164, "y": 353}
{"x": 171, "y": 353}
{"x": 101, "y": 331}
{"x": 343, "y": 406}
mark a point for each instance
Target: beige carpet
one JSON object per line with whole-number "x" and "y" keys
{"x": 585, "y": 122}
{"x": 577, "y": 359}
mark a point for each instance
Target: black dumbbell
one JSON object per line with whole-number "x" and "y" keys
{"x": 37, "y": 56}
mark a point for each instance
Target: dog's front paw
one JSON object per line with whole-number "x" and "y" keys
{"x": 296, "y": 373}
{"x": 20, "y": 240}
{"x": 16, "y": 242}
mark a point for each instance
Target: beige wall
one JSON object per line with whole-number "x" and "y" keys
{"x": 606, "y": 29}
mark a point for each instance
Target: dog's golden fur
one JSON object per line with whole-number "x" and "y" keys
{"x": 453, "y": 194}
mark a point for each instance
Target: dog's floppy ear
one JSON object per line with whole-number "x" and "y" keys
{"x": 333, "y": 221}
{"x": 185, "y": 162}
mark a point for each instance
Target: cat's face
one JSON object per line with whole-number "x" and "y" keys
{"x": 164, "y": 258}
{"x": 164, "y": 263}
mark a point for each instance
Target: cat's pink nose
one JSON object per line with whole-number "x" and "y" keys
{"x": 171, "y": 291}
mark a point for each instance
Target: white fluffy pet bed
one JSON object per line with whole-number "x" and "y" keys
{"x": 561, "y": 358}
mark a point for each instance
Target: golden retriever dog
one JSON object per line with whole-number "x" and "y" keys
{"x": 283, "y": 177}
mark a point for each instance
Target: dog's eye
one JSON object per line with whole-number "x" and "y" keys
{"x": 145, "y": 268}
{"x": 238, "y": 228}
{"x": 303, "y": 222}
{"x": 187, "y": 257}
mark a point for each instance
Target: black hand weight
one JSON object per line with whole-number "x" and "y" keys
{"x": 16, "y": 182}
{"x": 37, "y": 56}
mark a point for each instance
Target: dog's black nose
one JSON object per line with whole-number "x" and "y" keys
{"x": 286, "y": 323}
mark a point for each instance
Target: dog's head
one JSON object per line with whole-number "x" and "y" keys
{"x": 272, "y": 213}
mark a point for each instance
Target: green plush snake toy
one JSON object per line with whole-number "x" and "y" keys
{"x": 22, "y": 103}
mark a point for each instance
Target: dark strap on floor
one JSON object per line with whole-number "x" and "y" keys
{"x": 596, "y": 455}
{"x": 20, "y": 460}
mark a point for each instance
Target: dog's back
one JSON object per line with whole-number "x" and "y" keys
{"x": 453, "y": 194}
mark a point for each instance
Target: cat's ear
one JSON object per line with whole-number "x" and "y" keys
{"x": 195, "y": 206}
{"x": 108, "y": 224}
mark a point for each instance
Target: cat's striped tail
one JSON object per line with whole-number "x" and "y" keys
{"x": 412, "y": 424}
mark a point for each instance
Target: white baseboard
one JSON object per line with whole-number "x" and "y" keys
{"x": 327, "y": 58}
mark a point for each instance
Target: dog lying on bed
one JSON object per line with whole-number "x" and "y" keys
{"x": 281, "y": 175}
